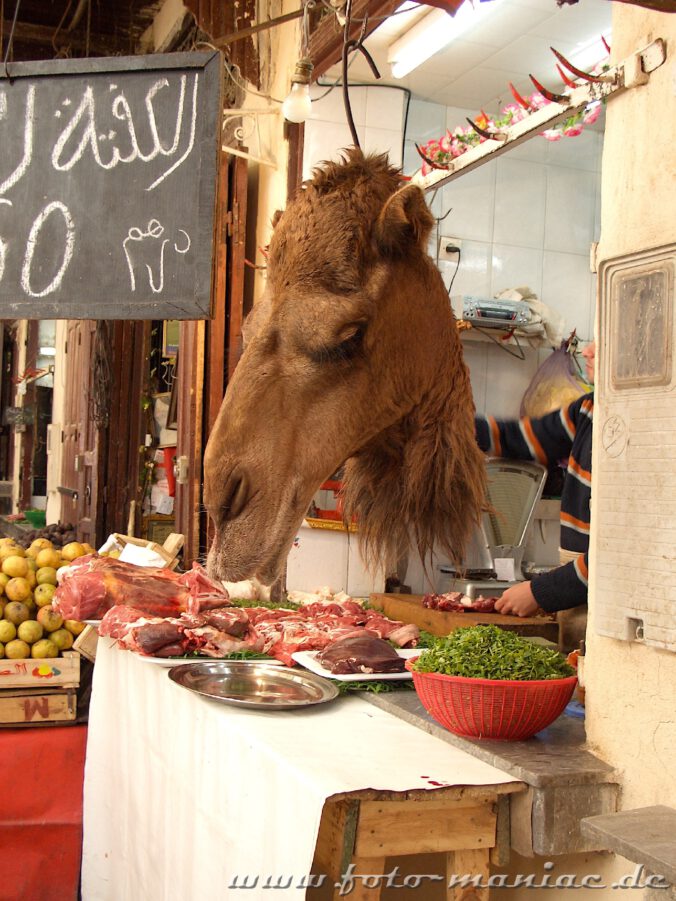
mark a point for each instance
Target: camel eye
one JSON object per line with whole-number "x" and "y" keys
{"x": 348, "y": 347}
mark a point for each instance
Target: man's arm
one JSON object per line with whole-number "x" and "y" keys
{"x": 546, "y": 439}
{"x": 559, "y": 589}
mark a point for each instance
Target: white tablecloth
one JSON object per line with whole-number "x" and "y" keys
{"x": 185, "y": 796}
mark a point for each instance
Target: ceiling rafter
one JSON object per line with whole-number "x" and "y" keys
{"x": 25, "y": 32}
{"x": 326, "y": 41}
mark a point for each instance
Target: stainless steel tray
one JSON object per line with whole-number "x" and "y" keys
{"x": 251, "y": 684}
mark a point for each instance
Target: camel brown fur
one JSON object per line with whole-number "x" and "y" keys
{"x": 352, "y": 357}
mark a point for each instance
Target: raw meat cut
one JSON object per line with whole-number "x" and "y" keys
{"x": 277, "y": 632}
{"x": 457, "y": 602}
{"x": 361, "y": 655}
{"x": 89, "y": 589}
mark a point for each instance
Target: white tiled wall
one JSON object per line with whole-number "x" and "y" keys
{"x": 527, "y": 218}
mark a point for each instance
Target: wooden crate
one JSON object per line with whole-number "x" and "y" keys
{"x": 34, "y": 706}
{"x": 86, "y": 643}
{"x": 48, "y": 673}
{"x": 167, "y": 551}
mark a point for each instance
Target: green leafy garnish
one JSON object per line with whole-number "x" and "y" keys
{"x": 488, "y": 652}
{"x": 269, "y": 605}
{"x": 374, "y": 686}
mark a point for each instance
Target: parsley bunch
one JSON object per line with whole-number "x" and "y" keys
{"x": 489, "y": 652}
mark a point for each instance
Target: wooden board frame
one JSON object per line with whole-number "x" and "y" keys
{"x": 147, "y": 257}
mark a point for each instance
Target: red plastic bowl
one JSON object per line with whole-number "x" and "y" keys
{"x": 491, "y": 708}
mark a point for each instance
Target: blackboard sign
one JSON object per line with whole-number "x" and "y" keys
{"x": 108, "y": 174}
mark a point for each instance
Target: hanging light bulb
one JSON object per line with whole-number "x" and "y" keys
{"x": 298, "y": 106}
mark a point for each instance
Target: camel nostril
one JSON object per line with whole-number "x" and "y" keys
{"x": 235, "y": 495}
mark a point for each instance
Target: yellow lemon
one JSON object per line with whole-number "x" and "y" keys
{"x": 16, "y": 612}
{"x": 72, "y": 550}
{"x": 44, "y": 648}
{"x": 15, "y": 566}
{"x": 30, "y": 631}
{"x": 18, "y": 589}
{"x": 11, "y": 550}
{"x": 50, "y": 619}
{"x": 39, "y": 545}
{"x": 17, "y": 650}
{"x": 43, "y": 594}
{"x": 74, "y": 626}
{"x": 88, "y": 549}
{"x": 46, "y": 575}
{"x": 62, "y": 638}
{"x": 7, "y": 631}
{"x": 48, "y": 557}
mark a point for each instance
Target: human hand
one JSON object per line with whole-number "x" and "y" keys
{"x": 517, "y": 601}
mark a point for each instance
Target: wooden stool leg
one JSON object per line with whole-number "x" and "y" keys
{"x": 472, "y": 864}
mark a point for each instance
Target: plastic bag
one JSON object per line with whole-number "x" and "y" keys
{"x": 95, "y": 584}
{"x": 556, "y": 384}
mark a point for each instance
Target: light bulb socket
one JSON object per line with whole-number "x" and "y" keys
{"x": 303, "y": 71}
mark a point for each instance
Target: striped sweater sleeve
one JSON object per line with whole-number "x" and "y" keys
{"x": 546, "y": 439}
{"x": 563, "y": 587}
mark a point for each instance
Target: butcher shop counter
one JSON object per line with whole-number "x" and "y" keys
{"x": 187, "y": 798}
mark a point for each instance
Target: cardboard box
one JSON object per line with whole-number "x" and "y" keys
{"x": 32, "y": 706}
{"x": 47, "y": 673}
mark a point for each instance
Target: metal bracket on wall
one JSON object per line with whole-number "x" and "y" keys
{"x": 631, "y": 72}
{"x": 248, "y": 128}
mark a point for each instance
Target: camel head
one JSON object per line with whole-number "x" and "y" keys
{"x": 352, "y": 357}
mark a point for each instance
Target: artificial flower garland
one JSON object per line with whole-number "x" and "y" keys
{"x": 443, "y": 151}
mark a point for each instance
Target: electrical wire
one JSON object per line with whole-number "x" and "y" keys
{"x": 457, "y": 266}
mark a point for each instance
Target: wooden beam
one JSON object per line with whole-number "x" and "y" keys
{"x": 393, "y": 827}
{"x": 25, "y": 32}
{"x": 326, "y": 43}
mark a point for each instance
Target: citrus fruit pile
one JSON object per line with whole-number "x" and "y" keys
{"x": 29, "y": 626}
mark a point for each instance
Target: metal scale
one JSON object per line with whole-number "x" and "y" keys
{"x": 495, "y": 556}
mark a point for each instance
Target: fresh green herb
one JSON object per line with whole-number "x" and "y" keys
{"x": 235, "y": 655}
{"x": 426, "y": 639}
{"x": 372, "y": 685}
{"x": 488, "y": 652}
{"x": 269, "y": 605}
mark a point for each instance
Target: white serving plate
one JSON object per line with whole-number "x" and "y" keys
{"x": 179, "y": 661}
{"x": 308, "y": 659}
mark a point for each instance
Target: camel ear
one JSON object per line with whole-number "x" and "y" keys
{"x": 405, "y": 219}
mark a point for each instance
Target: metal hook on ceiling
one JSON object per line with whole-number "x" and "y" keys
{"x": 348, "y": 46}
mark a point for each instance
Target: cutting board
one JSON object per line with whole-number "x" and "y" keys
{"x": 409, "y": 609}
